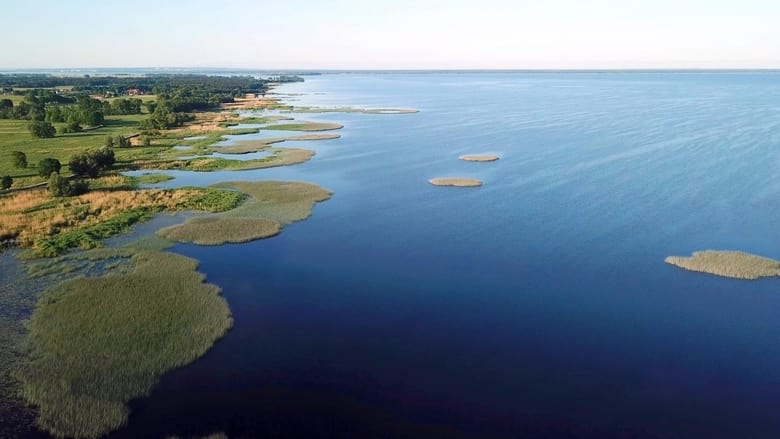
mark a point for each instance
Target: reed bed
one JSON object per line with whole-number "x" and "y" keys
{"x": 733, "y": 264}
{"x": 51, "y": 225}
{"x": 97, "y": 343}
{"x": 270, "y": 206}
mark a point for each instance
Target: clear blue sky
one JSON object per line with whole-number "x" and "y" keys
{"x": 391, "y": 34}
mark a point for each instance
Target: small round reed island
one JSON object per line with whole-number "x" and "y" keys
{"x": 733, "y": 264}
{"x": 455, "y": 182}
{"x": 479, "y": 158}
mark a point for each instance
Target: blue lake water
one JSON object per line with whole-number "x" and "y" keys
{"x": 536, "y": 305}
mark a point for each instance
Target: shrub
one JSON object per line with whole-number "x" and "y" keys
{"x": 6, "y": 182}
{"x": 47, "y": 166}
{"x": 71, "y": 127}
{"x": 20, "y": 159}
{"x": 41, "y": 129}
{"x": 122, "y": 142}
{"x": 59, "y": 186}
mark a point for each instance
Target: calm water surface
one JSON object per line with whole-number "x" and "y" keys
{"x": 538, "y": 304}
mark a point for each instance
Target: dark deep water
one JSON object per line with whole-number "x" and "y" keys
{"x": 537, "y": 305}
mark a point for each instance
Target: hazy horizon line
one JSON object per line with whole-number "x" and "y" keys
{"x": 392, "y": 70}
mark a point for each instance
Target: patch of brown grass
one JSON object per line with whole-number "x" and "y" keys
{"x": 455, "y": 181}
{"x": 733, "y": 264}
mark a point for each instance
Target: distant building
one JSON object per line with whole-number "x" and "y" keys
{"x": 133, "y": 92}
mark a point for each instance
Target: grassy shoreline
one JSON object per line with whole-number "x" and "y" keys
{"x": 122, "y": 317}
{"x": 269, "y": 207}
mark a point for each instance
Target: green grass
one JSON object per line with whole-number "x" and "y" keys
{"x": 153, "y": 178}
{"x": 271, "y": 205}
{"x": 16, "y": 99}
{"x": 212, "y": 200}
{"x": 90, "y": 237}
{"x": 14, "y": 136}
{"x": 97, "y": 343}
{"x": 221, "y": 230}
{"x": 279, "y": 157}
{"x": 281, "y": 201}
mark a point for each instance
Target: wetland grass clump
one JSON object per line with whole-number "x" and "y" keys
{"x": 279, "y": 157}
{"x": 479, "y": 158}
{"x": 455, "y": 182}
{"x": 153, "y": 178}
{"x": 89, "y": 237}
{"x": 270, "y": 206}
{"x": 97, "y": 343}
{"x": 218, "y": 231}
{"x": 733, "y": 264}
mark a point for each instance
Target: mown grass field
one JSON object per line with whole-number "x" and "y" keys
{"x": 14, "y": 98}
{"x": 14, "y": 136}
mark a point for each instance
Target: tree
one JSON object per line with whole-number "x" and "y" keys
{"x": 58, "y": 185}
{"x": 47, "y": 166}
{"x": 6, "y": 108}
{"x": 104, "y": 157}
{"x": 83, "y": 165}
{"x": 109, "y": 142}
{"x": 6, "y": 182}
{"x": 41, "y": 129}
{"x": 147, "y": 141}
{"x": 20, "y": 159}
{"x": 92, "y": 163}
{"x": 94, "y": 118}
{"x": 54, "y": 114}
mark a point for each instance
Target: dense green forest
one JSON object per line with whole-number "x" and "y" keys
{"x": 74, "y": 100}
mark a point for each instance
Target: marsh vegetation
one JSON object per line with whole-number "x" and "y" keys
{"x": 97, "y": 343}
{"x": 733, "y": 264}
{"x": 270, "y": 206}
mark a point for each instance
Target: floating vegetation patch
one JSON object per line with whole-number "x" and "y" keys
{"x": 352, "y": 110}
{"x": 733, "y": 264}
{"x": 455, "y": 181}
{"x": 96, "y": 343}
{"x": 479, "y": 158}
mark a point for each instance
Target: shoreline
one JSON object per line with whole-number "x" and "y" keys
{"x": 49, "y": 411}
